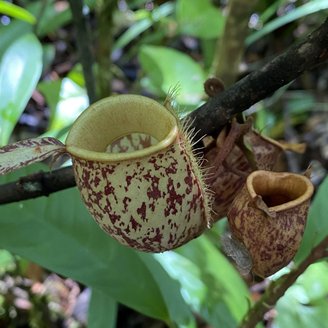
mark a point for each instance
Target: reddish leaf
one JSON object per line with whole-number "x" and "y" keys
{"x": 29, "y": 151}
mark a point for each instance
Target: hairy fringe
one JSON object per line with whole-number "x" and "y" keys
{"x": 188, "y": 141}
{"x": 197, "y": 158}
{"x": 170, "y": 100}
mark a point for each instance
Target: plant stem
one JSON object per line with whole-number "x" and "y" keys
{"x": 45, "y": 183}
{"x": 104, "y": 12}
{"x": 278, "y": 288}
{"x": 230, "y": 47}
{"x": 84, "y": 47}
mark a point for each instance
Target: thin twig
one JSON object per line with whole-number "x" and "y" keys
{"x": 37, "y": 184}
{"x": 278, "y": 288}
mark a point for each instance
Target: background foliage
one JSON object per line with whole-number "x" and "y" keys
{"x": 155, "y": 45}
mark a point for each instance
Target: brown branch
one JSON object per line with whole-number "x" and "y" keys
{"x": 278, "y": 288}
{"x": 262, "y": 83}
{"x": 36, "y": 185}
{"x": 209, "y": 118}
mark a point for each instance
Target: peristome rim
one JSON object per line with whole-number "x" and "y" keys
{"x": 117, "y": 157}
{"x": 278, "y": 208}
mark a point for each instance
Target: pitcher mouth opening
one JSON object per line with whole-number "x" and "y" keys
{"x": 101, "y": 130}
{"x": 279, "y": 190}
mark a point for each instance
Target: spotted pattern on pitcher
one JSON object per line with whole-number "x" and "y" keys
{"x": 131, "y": 142}
{"x": 229, "y": 181}
{"x": 153, "y": 204}
{"x": 271, "y": 242}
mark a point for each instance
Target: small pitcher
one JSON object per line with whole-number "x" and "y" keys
{"x": 268, "y": 216}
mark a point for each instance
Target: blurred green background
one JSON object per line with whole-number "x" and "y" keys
{"x": 54, "y": 258}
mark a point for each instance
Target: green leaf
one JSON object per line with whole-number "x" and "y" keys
{"x": 209, "y": 283}
{"x": 305, "y": 303}
{"x": 90, "y": 3}
{"x": 317, "y": 224}
{"x": 51, "y": 92}
{"x": 315, "y": 281}
{"x": 58, "y": 233}
{"x": 76, "y": 75}
{"x": 199, "y": 19}
{"x": 14, "y": 11}
{"x": 102, "y": 310}
{"x": 66, "y": 100}
{"x": 20, "y": 70}
{"x": 300, "y": 102}
{"x": 178, "y": 309}
{"x": 308, "y": 8}
{"x": 10, "y": 33}
{"x": 167, "y": 68}
{"x": 271, "y": 10}
{"x": 53, "y": 16}
{"x": 142, "y": 25}
{"x": 188, "y": 274}
{"x": 49, "y": 54}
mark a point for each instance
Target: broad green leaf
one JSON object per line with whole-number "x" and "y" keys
{"x": 102, "y": 310}
{"x": 305, "y": 303}
{"x": 142, "y": 25}
{"x": 199, "y": 18}
{"x": 188, "y": 274}
{"x": 167, "y": 68}
{"x": 209, "y": 283}
{"x": 315, "y": 281}
{"x": 10, "y": 33}
{"x": 14, "y": 11}
{"x": 51, "y": 92}
{"x": 66, "y": 100}
{"x": 317, "y": 224}
{"x": 308, "y": 8}
{"x": 178, "y": 309}
{"x": 20, "y": 70}
{"x": 58, "y": 233}
{"x": 208, "y": 49}
{"x": 73, "y": 100}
